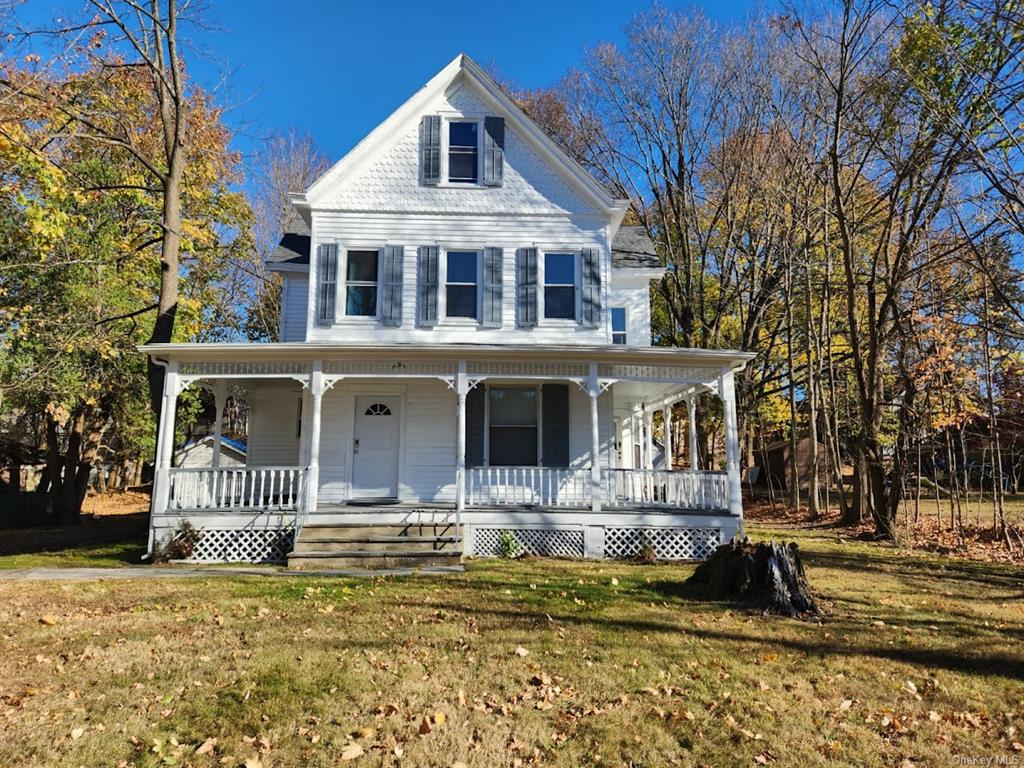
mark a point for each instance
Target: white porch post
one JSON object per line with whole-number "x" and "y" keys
{"x": 691, "y": 411}
{"x": 594, "y": 390}
{"x": 316, "y": 392}
{"x": 727, "y": 391}
{"x": 666, "y": 420}
{"x": 164, "y": 450}
{"x": 649, "y": 438}
{"x": 461, "y": 390}
{"x": 220, "y": 395}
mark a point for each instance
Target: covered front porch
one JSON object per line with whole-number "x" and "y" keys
{"x": 609, "y": 478}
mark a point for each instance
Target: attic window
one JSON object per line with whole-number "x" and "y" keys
{"x": 463, "y": 142}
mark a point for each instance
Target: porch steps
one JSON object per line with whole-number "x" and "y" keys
{"x": 403, "y": 545}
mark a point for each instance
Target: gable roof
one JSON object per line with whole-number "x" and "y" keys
{"x": 492, "y": 94}
{"x": 631, "y": 247}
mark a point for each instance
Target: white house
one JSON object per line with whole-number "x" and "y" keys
{"x": 465, "y": 350}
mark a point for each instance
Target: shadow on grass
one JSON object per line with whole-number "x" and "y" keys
{"x": 104, "y": 538}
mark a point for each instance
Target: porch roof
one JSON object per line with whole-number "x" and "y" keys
{"x": 307, "y": 351}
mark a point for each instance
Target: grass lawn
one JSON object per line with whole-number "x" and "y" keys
{"x": 920, "y": 659}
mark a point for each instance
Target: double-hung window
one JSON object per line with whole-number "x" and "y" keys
{"x": 461, "y": 271}
{"x": 618, "y": 325}
{"x": 513, "y": 426}
{"x": 560, "y": 286}
{"x": 361, "y": 284}
{"x": 463, "y": 142}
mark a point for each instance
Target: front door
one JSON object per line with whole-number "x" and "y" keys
{"x": 375, "y": 447}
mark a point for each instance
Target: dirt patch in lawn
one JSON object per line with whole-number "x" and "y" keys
{"x": 116, "y": 503}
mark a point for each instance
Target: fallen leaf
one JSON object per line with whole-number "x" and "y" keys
{"x": 48, "y": 619}
{"x": 439, "y": 718}
{"x": 520, "y": 651}
{"x": 206, "y": 746}
{"x": 399, "y": 750}
{"x": 425, "y": 726}
{"x": 845, "y": 704}
{"x": 253, "y": 762}
{"x": 351, "y": 752}
{"x": 364, "y": 733}
{"x": 76, "y": 733}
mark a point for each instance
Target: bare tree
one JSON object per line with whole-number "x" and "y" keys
{"x": 287, "y": 163}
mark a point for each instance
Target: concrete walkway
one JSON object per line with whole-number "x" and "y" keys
{"x": 188, "y": 571}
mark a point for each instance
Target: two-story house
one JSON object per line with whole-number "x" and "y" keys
{"x": 465, "y": 351}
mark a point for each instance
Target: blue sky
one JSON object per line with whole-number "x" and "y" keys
{"x": 337, "y": 69}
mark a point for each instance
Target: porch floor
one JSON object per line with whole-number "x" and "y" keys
{"x": 377, "y": 508}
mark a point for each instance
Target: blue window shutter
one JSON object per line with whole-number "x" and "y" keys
{"x": 492, "y": 293}
{"x": 494, "y": 151}
{"x": 391, "y": 257}
{"x": 430, "y": 148}
{"x": 476, "y": 403}
{"x": 555, "y": 425}
{"x": 526, "y": 287}
{"x": 327, "y": 282}
{"x": 426, "y": 283}
{"x": 590, "y": 285}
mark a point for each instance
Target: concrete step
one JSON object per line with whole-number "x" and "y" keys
{"x": 370, "y": 559}
{"x": 378, "y": 544}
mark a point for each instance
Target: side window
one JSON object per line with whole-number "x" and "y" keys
{"x": 618, "y": 325}
{"x": 463, "y": 143}
{"x": 461, "y": 277}
{"x": 361, "y": 284}
{"x": 560, "y": 286}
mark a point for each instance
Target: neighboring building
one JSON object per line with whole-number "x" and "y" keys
{"x": 465, "y": 350}
{"x": 199, "y": 453}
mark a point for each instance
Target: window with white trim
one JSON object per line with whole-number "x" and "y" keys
{"x": 462, "y": 270}
{"x": 618, "y": 325}
{"x": 512, "y": 426}
{"x": 560, "y": 286}
{"x": 463, "y": 151}
{"x": 361, "y": 272}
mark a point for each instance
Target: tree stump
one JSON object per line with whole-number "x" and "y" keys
{"x": 768, "y": 574}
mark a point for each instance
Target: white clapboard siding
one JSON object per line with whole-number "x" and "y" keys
{"x": 634, "y": 295}
{"x": 427, "y": 470}
{"x": 476, "y": 232}
{"x": 273, "y": 425}
{"x": 294, "y": 305}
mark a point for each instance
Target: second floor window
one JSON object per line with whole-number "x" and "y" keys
{"x": 462, "y": 152}
{"x": 460, "y": 284}
{"x": 361, "y": 284}
{"x": 560, "y": 286}
{"x": 618, "y": 325}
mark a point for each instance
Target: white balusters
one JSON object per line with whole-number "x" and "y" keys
{"x": 255, "y": 488}
{"x": 660, "y": 488}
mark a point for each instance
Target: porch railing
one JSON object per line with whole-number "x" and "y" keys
{"x": 660, "y": 488}
{"x": 537, "y": 486}
{"x": 279, "y": 489}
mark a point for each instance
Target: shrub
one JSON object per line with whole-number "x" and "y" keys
{"x": 509, "y": 546}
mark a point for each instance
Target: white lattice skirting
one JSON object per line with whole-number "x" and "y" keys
{"x": 241, "y": 545}
{"x": 545, "y": 542}
{"x": 667, "y": 543}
